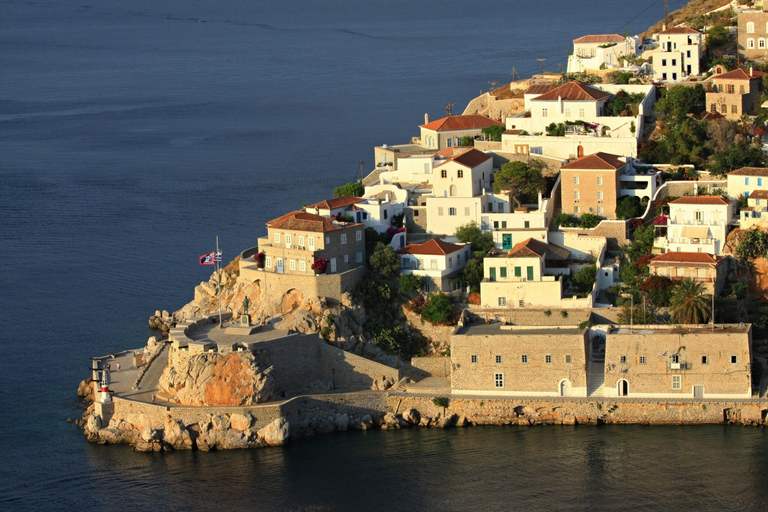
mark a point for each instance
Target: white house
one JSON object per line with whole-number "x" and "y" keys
{"x": 448, "y": 131}
{"x": 678, "y": 55}
{"x": 743, "y": 181}
{"x": 597, "y": 51}
{"x": 439, "y": 262}
{"x": 697, "y": 224}
{"x": 756, "y": 212}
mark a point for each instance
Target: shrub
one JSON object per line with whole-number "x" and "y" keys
{"x": 354, "y": 189}
{"x": 585, "y": 278}
{"x": 440, "y": 308}
{"x": 394, "y": 341}
{"x": 440, "y": 401}
{"x": 410, "y": 283}
{"x": 658, "y": 289}
{"x": 548, "y": 313}
{"x": 753, "y": 245}
{"x": 564, "y": 314}
{"x": 385, "y": 261}
{"x": 589, "y": 220}
{"x": 628, "y": 207}
{"x": 563, "y": 220}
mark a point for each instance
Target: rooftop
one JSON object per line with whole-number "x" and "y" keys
{"x": 499, "y": 329}
{"x": 431, "y": 247}
{"x": 303, "y": 221}
{"x": 759, "y": 194}
{"x": 597, "y": 161}
{"x": 739, "y": 74}
{"x": 680, "y": 30}
{"x": 599, "y": 38}
{"x": 471, "y": 158}
{"x": 336, "y": 202}
{"x": 750, "y": 171}
{"x": 708, "y": 200}
{"x": 683, "y": 257}
{"x": 681, "y": 329}
{"x": 529, "y": 248}
{"x": 573, "y": 91}
{"x": 468, "y": 122}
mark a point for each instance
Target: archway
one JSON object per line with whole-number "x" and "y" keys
{"x": 622, "y": 387}
{"x": 453, "y": 190}
{"x": 564, "y": 387}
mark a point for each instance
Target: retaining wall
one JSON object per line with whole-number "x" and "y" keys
{"x": 435, "y": 366}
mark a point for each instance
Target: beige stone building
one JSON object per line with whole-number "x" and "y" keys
{"x": 753, "y": 33}
{"x": 294, "y": 242}
{"x": 679, "y": 361}
{"x": 591, "y": 184}
{"x": 701, "y": 267}
{"x": 735, "y": 93}
{"x": 744, "y": 181}
{"x": 448, "y": 131}
{"x": 497, "y": 359}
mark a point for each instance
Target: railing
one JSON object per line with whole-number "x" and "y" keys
{"x": 679, "y": 366}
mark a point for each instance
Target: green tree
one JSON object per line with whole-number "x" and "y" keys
{"x": 678, "y": 101}
{"x": 735, "y": 157}
{"x": 523, "y": 180}
{"x": 494, "y": 132}
{"x": 410, "y": 283}
{"x": 754, "y": 244}
{"x": 717, "y": 36}
{"x": 562, "y": 219}
{"x": 584, "y": 279}
{"x": 372, "y": 238}
{"x": 398, "y": 220}
{"x": 394, "y": 341}
{"x": 636, "y": 315}
{"x": 688, "y": 304}
{"x": 467, "y": 141}
{"x": 385, "y": 261}
{"x": 354, "y": 189}
{"x": 619, "y": 77}
{"x": 481, "y": 241}
{"x": 589, "y": 220}
{"x": 556, "y": 129}
{"x": 473, "y": 274}
{"x": 629, "y": 207}
{"x": 439, "y": 308}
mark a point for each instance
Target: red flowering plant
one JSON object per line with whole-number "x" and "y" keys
{"x": 392, "y": 231}
{"x": 658, "y": 289}
{"x": 320, "y": 265}
{"x": 259, "y": 258}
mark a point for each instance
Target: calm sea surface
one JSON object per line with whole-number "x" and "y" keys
{"x": 132, "y": 133}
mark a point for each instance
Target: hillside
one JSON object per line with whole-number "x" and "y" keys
{"x": 689, "y": 13}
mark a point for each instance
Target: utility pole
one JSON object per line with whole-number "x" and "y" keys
{"x": 449, "y": 108}
{"x": 514, "y": 75}
{"x": 362, "y": 177}
{"x": 666, "y": 11}
{"x": 541, "y": 65}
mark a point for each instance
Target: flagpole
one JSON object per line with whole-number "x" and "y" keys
{"x": 218, "y": 274}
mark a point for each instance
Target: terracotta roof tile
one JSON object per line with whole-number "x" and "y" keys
{"x": 454, "y": 150}
{"x": 431, "y": 248}
{"x": 599, "y": 38}
{"x": 750, "y": 171}
{"x": 303, "y": 221}
{"x": 713, "y": 200}
{"x": 540, "y": 89}
{"x": 759, "y": 194}
{"x": 468, "y": 122}
{"x": 683, "y": 257}
{"x": 597, "y": 161}
{"x": 573, "y": 91}
{"x": 470, "y": 159}
{"x": 529, "y": 248}
{"x": 680, "y": 30}
{"x": 336, "y": 202}
{"x": 739, "y": 74}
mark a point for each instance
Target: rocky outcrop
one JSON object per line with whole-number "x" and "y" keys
{"x": 276, "y": 433}
{"x": 162, "y": 321}
{"x": 85, "y": 390}
{"x": 215, "y": 379}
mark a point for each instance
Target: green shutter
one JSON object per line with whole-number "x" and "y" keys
{"x": 503, "y": 272}
{"x": 530, "y": 273}
{"x": 518, "y": 272}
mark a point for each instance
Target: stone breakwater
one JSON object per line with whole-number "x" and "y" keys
{"x": 149, "y": 427}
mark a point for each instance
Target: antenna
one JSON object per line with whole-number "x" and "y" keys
{"x": 449, "y": 108}
{"x": 514, "y": 76}
{"x": 493, "y": 83}
{"x": 362, "y": 177}
{"x": 666, "y": 11}
{"x": 541, "y": 65}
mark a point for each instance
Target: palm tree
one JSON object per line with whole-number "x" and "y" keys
{"x": 688, "y": 303}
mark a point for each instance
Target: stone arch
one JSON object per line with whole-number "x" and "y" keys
{"x": 291, "y": 300}
{"x": 622, "y": 387}
{"x": 564, "y": 387}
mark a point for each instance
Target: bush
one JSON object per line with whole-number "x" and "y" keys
{"x": 440, "y": 401}
{"x": 440, "y": 308}
{"x": 563, "y": 220}
{"x": 385, "y": 261}
{"x": 589, "y": 220}
{"x": 410, "y": 283}
{"x": 658, "y": 290}
{"x": 564, "y": 314}
{"x": 394, "y": 341}
{"x": 585, "y": 278}
{"x": 354, "y": 189}
{"x": 629, "y": 207}
{"x": 753, "y": 245}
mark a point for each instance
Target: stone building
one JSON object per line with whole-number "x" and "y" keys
{"x": 448, "y": 131}
{"x": 697, "y": 224}
{"x": 591, "y": 184}
{"x": 743, "y": 181}
{"x": 677, "y": 361}
{"x": 753, "y": 33}
{"x": 440, "y": 263}
{"x": 679, "y": 54}
{"x": 735, "y": 93}
{"x": 704, "y": 268}
{"x": 498, "y": 359}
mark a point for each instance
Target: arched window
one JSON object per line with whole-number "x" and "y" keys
{"x": 453, "y": 190}
{"x": 750, "y": 27}
{"x": 750, "y": 43}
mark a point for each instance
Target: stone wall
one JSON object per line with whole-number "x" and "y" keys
{"x": 349, "y": 371}
{"x": 325, "y": 285}
{"x": 416, "y": 219}
{"x": 538, "y": 316}
{"x": 614, "y": 230}
{"x": 680, "y": 188}
{"x": 435, "y": 366}
{"x": 439, "y": 334}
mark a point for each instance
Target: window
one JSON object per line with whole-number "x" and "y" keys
{"x": 327, "y": 240}
{"x": 288, "y": 239}
{"x": 741, "y": 89}
{"x": 599, "y": 195}
{"x": 521, "y": 303}
{"x": 568, "y": 359}
{"x": 277, "y": 235}
{"x": 713, "y": 107}
{"x": 642, "y": 359}
{"x": 498, "y": 379}
{"x": 473, "y": 358}
{"x": 346, "y": 258}
{"x": 301, "y": 241}
{"x": 498, "y": 358}
{"x": 567, "y": 112}
{"x": 675, "y": 358}
{"x": 548, "y": 358}
{"x": 452, "y": 191}
{"x": 466, "y": 211}
{"x": 674, "y": 62}
{"x": 623, "y": 360}
{"x": 292, "y": 264}
{"x": 524, "y": 358}
{"x": 677, "y": 382}
{"x": 518, "y": 271}
{"x": 343, "y": 238}
{"x": 439, "y": 211}
{"x": 530, "y": 274}
{"x": 495, "y": 224}
{"x": 311, "y": 243}
{"x": 600, "y": 210}
{"x": 543, "y": 112}
{"x": 268, "y": 262}
{"x": 526, "y": 224}
{"x": 704, "y": 360}
{"x": 504, "y": 223}
{"x": 575, "y": 180}
{"x": 576, "y": 209}
{"x": 759, "y": 182}
{"x": 302, "y": 266}
{"x": 433, "y": 264}
{"x": 443, "y": 173}
{"x": 502, "y": 301}
{"x": 460, "y": 173}
{"x": 663, "y": 62}
{"x": 750, "y": 27}
{"x": 450, "y": 262}
{"x": 746, "y": 181}
{"x": 751, "y": 43}
{"x": 734, "y": 359}
{"x": 449, "y": 141}
{"x": 581, "y": 112}
{"x": 663, "y": 76}
{"x": 358, "y": 235}
{"x": 503, "y": 272}
{"x": 386, "y": 214}
{"x": 576, "y": 195}
{"x": 734, "y": 109}
{"x": 452, "y": 211}
{"x": 599, "y": 180}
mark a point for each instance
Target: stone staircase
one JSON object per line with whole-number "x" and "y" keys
{"x": 596, "y": 378}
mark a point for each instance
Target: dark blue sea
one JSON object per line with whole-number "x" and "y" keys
{"x": 132, "y": 133}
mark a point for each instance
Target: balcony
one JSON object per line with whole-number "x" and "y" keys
{"x": 682, "y": 365}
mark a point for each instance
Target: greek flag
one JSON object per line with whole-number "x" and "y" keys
{"x": 206, "y": 259}
{"x": 217, "y": 256}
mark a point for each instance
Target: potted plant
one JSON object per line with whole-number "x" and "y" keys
{"x": 259, "y": 258}
{"x": 320, "y": 265}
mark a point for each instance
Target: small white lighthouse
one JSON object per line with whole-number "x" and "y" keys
{"x": 105, "y": 397}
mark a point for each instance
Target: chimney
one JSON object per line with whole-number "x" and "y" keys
{"x": 695, "y": 187}
{"x": 426, "y": 118}
{"x": 751, "y": 72}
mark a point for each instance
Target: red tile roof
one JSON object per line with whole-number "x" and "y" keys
{"x": 750, "y": 171}
{"x": 573, "y": 91}
{"x": 599, "y": 38}
{"x": 739, "y": 74}
{"x": 683, "y": 257}
{"x": 468, "y": 122}
{"x": 540, "y": 88}
{"x": 680, "y": 30}
{"x": 431, "y": 248}
{"x": 758, "y": 194}
{"x": 303, "y": 221}
{"x": 597, "y": 161}
{"x": 336, "y": 202}
{"x": 470, "y": 159}
{"x": 529, "y": 248}
{"x": 454, "y": 150}
{"x": 713, "y": 200}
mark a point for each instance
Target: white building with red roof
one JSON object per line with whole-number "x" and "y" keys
{"x": 448, "y": 131}
{"x": 756, "y": 211}
{"x": 697, "y": 224}
{"x": 678, "y": 55}
{"x": 440, "y": 263}
{"x": 597, "y": 51}
{"x": 745, "y": 180}
{"x": 705, "y": 268}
